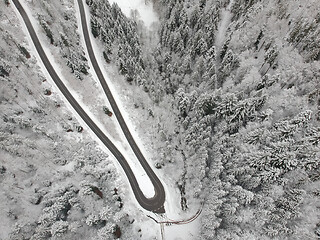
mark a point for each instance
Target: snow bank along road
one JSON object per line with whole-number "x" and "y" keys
{"x": 154, "y": 204}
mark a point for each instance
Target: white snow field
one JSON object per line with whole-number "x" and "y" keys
{"x": 223, "y": 25}
{"x": 141, "y": 9}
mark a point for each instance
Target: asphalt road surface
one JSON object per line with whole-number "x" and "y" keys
{"x": 154, "y": 204}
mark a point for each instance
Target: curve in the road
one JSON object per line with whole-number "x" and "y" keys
{"x": 153, "y": 177}
{"x": 154, "y": 204}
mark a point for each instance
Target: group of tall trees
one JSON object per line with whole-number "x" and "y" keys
{"x": 250, "y": 120}
{"x": 64, "y": 37}
{"x": 119, "y": 36}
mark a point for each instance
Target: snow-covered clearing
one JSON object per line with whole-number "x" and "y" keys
{"x": 182, "y": 232}
{"x": 140, "y": 9}
{"x": 223, "y": 26}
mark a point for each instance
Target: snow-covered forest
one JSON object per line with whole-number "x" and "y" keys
{"x": 225, "y": 92}
{"x": 248, "y": 113}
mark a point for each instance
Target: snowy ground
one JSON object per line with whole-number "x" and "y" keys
{"x": 223, "y": 26}
{"x": 139, "y": 9}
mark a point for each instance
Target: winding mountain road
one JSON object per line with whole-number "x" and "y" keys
{"x": 154, "y": 204}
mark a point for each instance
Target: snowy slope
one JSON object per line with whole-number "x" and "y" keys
{"x": 139, "y": 9}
